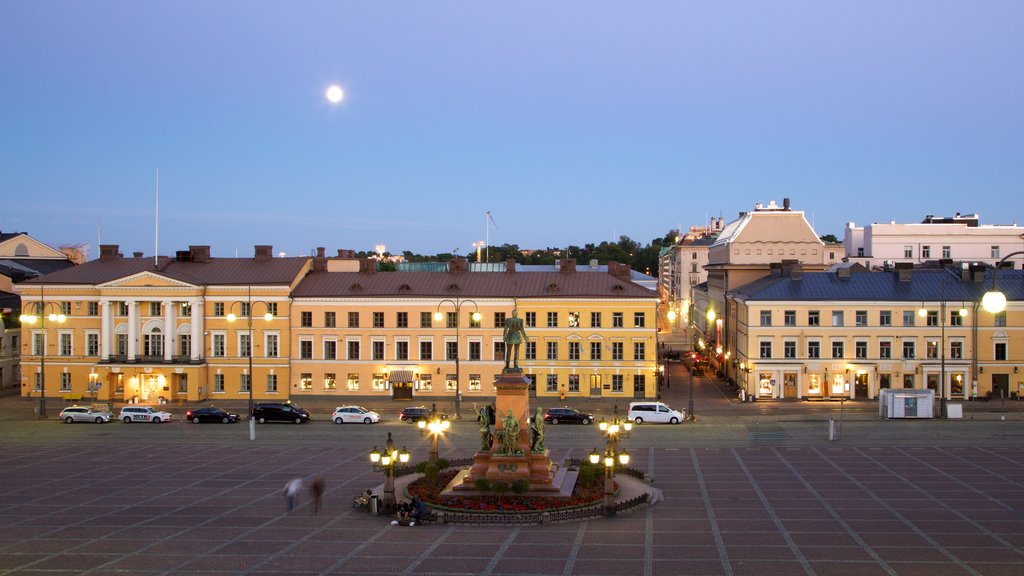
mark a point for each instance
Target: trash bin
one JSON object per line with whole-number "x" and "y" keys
{"x": 374, "y": 505}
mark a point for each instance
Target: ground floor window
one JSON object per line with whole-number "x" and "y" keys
{"x": 814, "y": 385}
{"x": 616, "y": 382}
{"x": 884, "y": 381}
{"x": 65, "y": 382}
{"x": 306, "y": 381}
{"x": 245, "y": 383}
{"x": 330, "y": 382}
{"x": 379, "y": 382}
{"x": 182, "y": 383}
{"x": 272, "y": 382}
{"x": 352, "y": 382}
{"x": 218, "y": 383}
{"x": 425, "y": 383}
{"x": 474, "y": 382}
{"x": 908, "y": 380}
{"x": 552, "y": 385}
{"x": 639, "y": 385}
{"x": 574, "y": 382}
{"x": 449, "y": 382}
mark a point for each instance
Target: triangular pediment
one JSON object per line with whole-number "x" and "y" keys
{"x": 25, "y": 246}
{"x": 147, "y": 280}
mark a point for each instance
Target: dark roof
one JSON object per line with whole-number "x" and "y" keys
{"x": 467, "y": 285}
{"x": 217, "y": 271}
{"x": 5, "y": 236}
{"x": 21, "y": 269}
{"x": 924, "y": 286}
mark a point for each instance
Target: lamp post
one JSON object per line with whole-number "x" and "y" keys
{"x": 457, "y": 304}
{"x": 612, "y": 456}
{"x": 923, "y": 312}
{"x": 435, "y": 426}
{"x": 385, "y": 462}
{"x": 231, "y": 318}
{"x": 41, "y": 316}
{"x": 710, "y": 315}
{"x": 994, "y": 301}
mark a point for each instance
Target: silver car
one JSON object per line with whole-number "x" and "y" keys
{"x": 73, "y": 414}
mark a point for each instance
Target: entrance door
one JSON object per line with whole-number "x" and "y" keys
{"x": 401, "y": 390}
{"x": 789, "y": 385}
{"x": 860, "y": 385}
{"x": 1000, "y": 385}
{"x": 933, "y": 383}
{"x": 595, "y": 386}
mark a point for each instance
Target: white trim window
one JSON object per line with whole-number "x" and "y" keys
{"x": 271, "y": 344}
{"x": 218, "y": 344}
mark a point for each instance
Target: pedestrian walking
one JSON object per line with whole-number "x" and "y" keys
{"x": 316, "y": 490}
{"x": 291, "y": 492}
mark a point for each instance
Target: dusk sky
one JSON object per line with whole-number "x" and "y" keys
{"x": 571, "y": 122}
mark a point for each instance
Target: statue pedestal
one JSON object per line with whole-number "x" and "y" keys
{"x": 513, "y": 394}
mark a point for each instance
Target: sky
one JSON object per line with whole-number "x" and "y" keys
{"x": 571, "y": 122}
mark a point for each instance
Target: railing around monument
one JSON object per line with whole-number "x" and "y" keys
{"x": 634, "y": 472}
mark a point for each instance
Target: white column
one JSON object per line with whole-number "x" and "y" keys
{"x": 133, "y": 330}
{"x": 106, "y": 330}
{"x": 171, "y": 334}
{"x": 197, "y": 328}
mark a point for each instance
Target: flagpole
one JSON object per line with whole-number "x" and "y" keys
{"x": 156, "y": 227}
{"x": 487, "y": 236}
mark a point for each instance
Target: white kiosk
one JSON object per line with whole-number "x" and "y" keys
{"x": 906, "y": 403}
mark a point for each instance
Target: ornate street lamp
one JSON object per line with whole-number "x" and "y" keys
{"x": 994, "y": 301}
{"x": 385, "y": 462}
{"x": 268, "y": 316}
{"x": 612, "y": 456}
{"x": 457, "y": 304}
{"x": 435, "y": 426}
{"x": 41, "y": 316}
{"x": 923, "y": 312}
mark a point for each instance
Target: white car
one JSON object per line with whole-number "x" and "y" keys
{"x": 659, "y": 412}
{"x": 354, "y": 415}
{"x": 85, "y": 414}
{"x": 131, "y": 414}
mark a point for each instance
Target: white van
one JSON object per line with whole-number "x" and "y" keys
{"x": 657, "y": 412}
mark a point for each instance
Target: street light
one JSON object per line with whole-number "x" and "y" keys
{"x": 923, "y": 312}
{"x": 41, "y": 316}
{"x": 457, "y": 304}
{"x": 710, "y": 315}
{"x": 435, "y": 426}
{"x": 385, "y": 462}
{"x": 612, "y": 456}
{"x": 231, "y": 318}
{"x": 994, "y": 301}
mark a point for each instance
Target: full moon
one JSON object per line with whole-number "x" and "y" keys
{"x": 335, "y": 94}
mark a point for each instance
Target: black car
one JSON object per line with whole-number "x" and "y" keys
{"x": 567, "y": 416}
{"x": 279, "y": 412}
{"x": 211, "y": 414}
{"x": 417, "y": 413}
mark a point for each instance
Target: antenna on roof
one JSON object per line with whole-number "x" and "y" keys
{"x": 156, "y": 227}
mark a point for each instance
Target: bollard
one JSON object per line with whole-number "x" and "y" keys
{"x": 831, "y": 429}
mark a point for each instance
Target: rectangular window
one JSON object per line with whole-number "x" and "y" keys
{"x": 218, "y": 309}
{"x": 426, "y": 350}
{"x": 861, "y": 317}
{"x": 65, "y": 382}
{"x": 932, "y": 318}
{"x": 946, "y": 252}
{"x": 184, "y": 309}
{"x": 499, "y": 349}
{"x": 908, "y": 251}
{"x": 379, "y": 382}
{"x": 616, "y": 382}
{"x": 837, "y": 348}
{"x": 475, "y": 322}
{"x": 272, "y": 308}
{"x": 789, "y": 318}
{"x": 766, "y": 317}
{"x": 272, "y": 383}
{"x": 530, "y": 352}
{"x": 766, "y": 349}
{"x": 813, "y": 318}
{"x": 908, "y": 317}
{"x": 244, "y": 383}
{"x": 352, "y": 381}
{"x": 452, "y": 319}
{"x": 552, "y": 350}
{"x": 305, "y": 381}
{"x": 218, "y": 383}
{"x": 425, "y": 383}
{"x": 122, "y": 345}
{"x": 885, "y": 318}
{"x": 377, "y": 350}
{"x": 218, "y": 345}
{"x": 574, "y": 350}
{"x": 639, "y": 321}
{"x": 931, "y": 350}
{"x": 306, "y": 319}
{"x": 789, "y": 349}
{"x": 92, "y": 344}
{"x": 552, "y": 383}
{"x": 639, "y": 351}
{"x": 451, "y": 349}
{"x": 595, "y": 350}
{"x": 155, "y": 309}
{"x": 955, "y": 319}
{"x": 999, "y": 319}
{"x": 926, "y": 251}
{"x": 885, "y": 350}
{"x": 272, "y": 345}
{"x": 94, "y": 309}
{"x": 306, "y": 349}
{"x": 574, "y": 382}
{"x": 530, "y": 320}
{"x": 474, "y": 382}
{"x": 330, "y": 319}
{"x": 837, "y": 317}
{"x": 956, "y": 350}
{"x": 595, "y": 319}
{"x": 330, "y": 349}
{"x": 353, "y": 319}
{"x": 330, "y": 382}
{"x": 401, "y": 350}
{"x": 1000, "y": 351}
{"x": 475, "y": 351}
{"x": 426, "y": 320}
{"x": 617, "y": 350}
{"x": 813, "y": 349}
{"x": 552, "y": 320}
{"x": 639, "y": 385}
{"x": 244, "y": 346}
{"x": 499, "y": 319}
{"x": 860, "y": 349}
{"x": 65, "y": 344}
{"x": 617, "y": 320}
{"x": 185, "y": 345}
{"x": 378, "y": 319}
{"x": 449, "y": 382}
{"x": 353, "y": 349}
{"x": 402, "y": 319}
{"x": 574, "y": 319}
{"x": 244, "y": 312}
{"x": 995, "y": 251}
{"x": 909, "y": 349}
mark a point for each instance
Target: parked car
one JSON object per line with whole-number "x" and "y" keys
{"x": 354, "y": 415}
{"x": 567, "y": 415}
{"x": 414, "y": 414}
{"x": 85, "y": 414}
{"x": 659, "y": 412}
{"x": 279, "y": 412}
{"x": 211, "y": 414}
{"x": 131, "y": 414}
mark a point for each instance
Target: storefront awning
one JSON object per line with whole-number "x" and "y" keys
{"x": 400, "y": 376}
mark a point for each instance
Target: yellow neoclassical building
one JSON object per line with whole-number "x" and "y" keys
{"x": 194, "y": 327}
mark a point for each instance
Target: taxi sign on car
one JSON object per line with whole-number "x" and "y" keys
{"x": 131, "y": 414}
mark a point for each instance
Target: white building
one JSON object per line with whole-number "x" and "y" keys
{"x": 959, "y": 238}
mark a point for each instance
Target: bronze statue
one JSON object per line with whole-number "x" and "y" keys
{"x": 486, "y": 438}
{"x": 515, "y": 334}
{"x": 509, "y": 437}
{"x": 537, "y": 431}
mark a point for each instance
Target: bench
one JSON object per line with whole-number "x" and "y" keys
{"x": 72, "y": 397}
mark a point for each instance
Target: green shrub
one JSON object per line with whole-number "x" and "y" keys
{"x": 520, "y": 486}
{"x": 499, "y": 487}
{"x": 482, "y": 485}
{"x": 442, "y": 463}
{"x": 421, "y": 466}
{"x": 589, "y": 474}
{"x": 430, "y": 471}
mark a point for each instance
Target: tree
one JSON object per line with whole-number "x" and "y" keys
{"x": 829, "y": 239}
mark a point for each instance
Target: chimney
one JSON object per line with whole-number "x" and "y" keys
{"x": 620, "y": 271}
{"x": 904, "y": 271}
{"x": 776, "y": 269}
{"x": 510, "y": 265}
{"x": 200, "y": 253}
{"x": 319, "y": 261}
{"x": 320, "y": 252}
{"x": 137, "y": 254}
{"x": 342, "y": 253}
{"x": 367, "y": 266}
{"x": 264, "y": 253}
{"x": 457, "y": 266}
{"x": 109, "y": 252}
{"x": 785, "y": 203}
{"x": 796, "y": 271}
{"x": 567, "y": 266}
{"x": 182, "y": 256}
